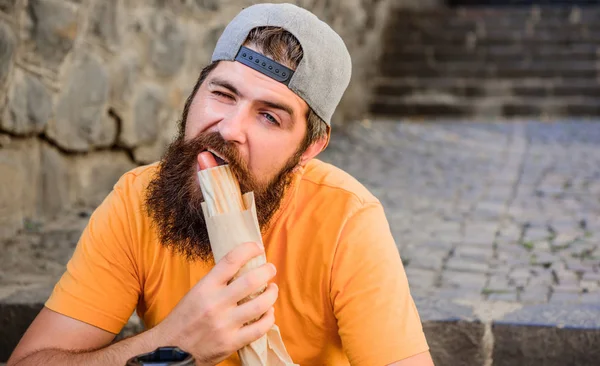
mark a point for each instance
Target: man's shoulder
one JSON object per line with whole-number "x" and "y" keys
{"x": 136, "y": 179}
{"x": 328, "y": 179}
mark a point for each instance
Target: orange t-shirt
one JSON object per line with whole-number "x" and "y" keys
{"x": 343, "y": 298}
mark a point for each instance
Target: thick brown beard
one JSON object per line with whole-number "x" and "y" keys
{"x": 174, "y": 196}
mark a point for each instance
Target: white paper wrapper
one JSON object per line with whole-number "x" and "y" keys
{"x": 228, "y": 230}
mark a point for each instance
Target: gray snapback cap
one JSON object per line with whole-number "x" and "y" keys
{"x": 324, "y": 72}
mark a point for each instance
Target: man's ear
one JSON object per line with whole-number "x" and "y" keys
{"x": 313, "y": 150}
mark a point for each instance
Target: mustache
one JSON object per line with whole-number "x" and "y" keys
{"x": 226, "y": 149}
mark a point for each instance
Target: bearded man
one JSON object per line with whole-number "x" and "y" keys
{"x": 335, "y": 278}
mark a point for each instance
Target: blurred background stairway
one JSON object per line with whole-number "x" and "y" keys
{"x": 490, "y": 59}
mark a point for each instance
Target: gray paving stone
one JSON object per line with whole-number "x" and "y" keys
{"x": 461, "y": 279}
{"x": 420, "y": 278}
{"x": 425, "y": 258}
{"x": 589, "y": 286}
{"x": 577, "y": 266}
{"x": 535, "y": 234}
{"x": 503, "y": 296}
{"x": 591, "y": 298}
{"x": 566, "y": 277}
{"x": 520, "y": 274}
{"x": 591, "y": 276}
{"x": 482, "y": 254}
{"x": 573, "y": 315}
{"x": 534, "y": 294}
{"x": 544, "y": 258}
{"x": 467, "y": 265}
{"x": 460, "y": 293}
{"x": 498, "y": 284}
{"x": 565, "y": 298}
{"x": 542, "y": 278}
{"x": 542, "y": 246}
{"x": 566, "y": 288}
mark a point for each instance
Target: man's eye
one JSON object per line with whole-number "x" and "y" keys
{"x": 222, "y": 95}
{"x": 271, "y": 119}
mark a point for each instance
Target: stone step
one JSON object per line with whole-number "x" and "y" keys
{"x": 473, "y": 40}
{"x": 491, "y": 88}
{"x": 496, "y": 54}
{"x": 445, "y": 105}
{"x": 487, "y": 3}
{"x": 463, "y": 25}
{"x": 497, "y": 15}
{"x": 579, "y": 69}
{"x": 493, "y": 36}
{"x": 444, "y": 20}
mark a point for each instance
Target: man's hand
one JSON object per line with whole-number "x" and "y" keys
{"x": 208, "y": 323}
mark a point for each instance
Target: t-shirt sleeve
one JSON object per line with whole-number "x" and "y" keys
{"x": 377, "y": 319}
{"x": 101, "y": 286}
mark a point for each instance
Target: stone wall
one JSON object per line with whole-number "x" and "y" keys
{"x": 92, "y": 88}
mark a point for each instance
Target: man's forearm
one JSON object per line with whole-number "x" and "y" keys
{"x": 116, "y": 354}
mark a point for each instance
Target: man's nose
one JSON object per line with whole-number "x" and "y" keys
{"x": 234, "y": 127}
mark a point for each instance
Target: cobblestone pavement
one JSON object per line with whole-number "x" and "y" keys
{"x": 497, "y": 211}
{"x": 492, "y": 211}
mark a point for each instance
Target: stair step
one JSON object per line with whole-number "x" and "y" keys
{"x": 477, "y": 88}
{"x": 496, "y": 18}
{"x": 473, "y": 41}
{"x": 491, "y": 61}
{"x": 492, "y": 54}
{"x": 492, "y": 13}
{"x": 511, "y": 35}
{"x": 460, "y": 25}
{"x": 451, "y": 106}
{"x": 579, "y": 69}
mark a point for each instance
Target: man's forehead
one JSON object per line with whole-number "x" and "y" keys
{"x": 253, "y": 84}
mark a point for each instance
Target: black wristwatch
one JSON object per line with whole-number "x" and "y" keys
{"x": 163, "y": 356}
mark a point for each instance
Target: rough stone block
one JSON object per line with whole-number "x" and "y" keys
{"x": 104, "y": 23}
{"x": 51, "y": 28}
{"x": 16, "y": 313}
{"x": 81, "y": 119}
{"x": 56, "y": 195}
{"x": 548, "y": 335}
{"x": 7, "y": 47}
{"x": 94, "y": 176}
{"x": 124, "y": 73}
{"x": 454, "y": 335}
{"x": 148, "y": 112}
{"x": 29, "y": 105}
{"x": 20, "y": 184}
{"x": 7, "y": 6}
{"x": 167, "y": 51}
{"x": 455, "y": 342}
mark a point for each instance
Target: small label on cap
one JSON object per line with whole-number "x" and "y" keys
{"x": 264, "y": 65}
